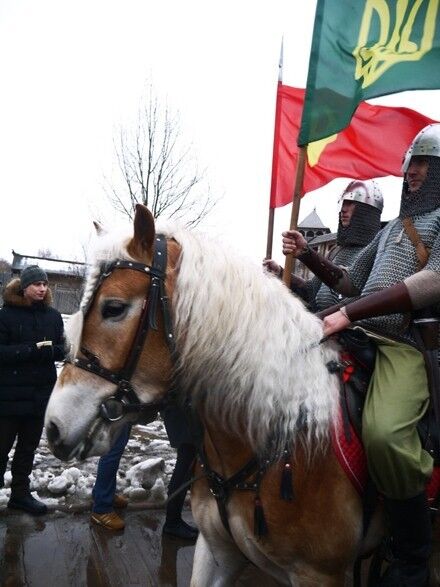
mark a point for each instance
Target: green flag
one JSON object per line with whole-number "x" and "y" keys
{"x": 367, "y": 48}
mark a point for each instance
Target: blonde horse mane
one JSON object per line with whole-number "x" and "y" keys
{"x": 246, "y": 345}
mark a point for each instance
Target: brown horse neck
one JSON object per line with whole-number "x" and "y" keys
{"x": 226, "y": 451}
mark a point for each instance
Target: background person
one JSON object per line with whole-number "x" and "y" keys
{"x": 180, "y": 438}
{"x": 105, "y": 498}
{"x": 31, "y": 340}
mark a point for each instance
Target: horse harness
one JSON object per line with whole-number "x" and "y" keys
{"x": 247, "y": 478}
{"x": 125, "y": 399}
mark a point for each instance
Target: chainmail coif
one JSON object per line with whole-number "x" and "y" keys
{"x": 427, "y": 197}
{"x": 363, "y": 227}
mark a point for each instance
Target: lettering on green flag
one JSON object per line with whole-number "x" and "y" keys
{"x": 362, "y": 49}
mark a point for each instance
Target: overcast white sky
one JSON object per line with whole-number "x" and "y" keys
{"x": 72, "y": 72}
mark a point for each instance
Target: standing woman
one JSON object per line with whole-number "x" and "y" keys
{"x": 31, "y": 340}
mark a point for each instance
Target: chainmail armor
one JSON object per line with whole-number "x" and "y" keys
{"x": 427, "y": 197}
{"x": 390, "y": 258}
{"x": 363, "y": 227}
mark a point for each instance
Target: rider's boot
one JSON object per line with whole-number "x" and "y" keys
{"x": 411, "y": 542}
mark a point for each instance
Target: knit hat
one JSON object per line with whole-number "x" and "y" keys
{"x": 32, "y": 274}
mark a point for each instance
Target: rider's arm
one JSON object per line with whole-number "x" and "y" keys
{"x": 329, "y": 273}
{"x": 420, "y": 290}
{"x": 386, "y": 301}
{"x": 347, "y": 281}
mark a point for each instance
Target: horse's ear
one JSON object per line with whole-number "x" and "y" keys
{"x": 99, "y": 229}
{"x": 143, "y": 229}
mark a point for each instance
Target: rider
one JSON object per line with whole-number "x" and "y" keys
{"x": 359, "y": 222}
{"x": 393, "y": 282}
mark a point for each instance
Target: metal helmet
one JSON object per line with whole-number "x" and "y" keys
{"x": 366, "y": 192}
{"x": 427, "y": 142}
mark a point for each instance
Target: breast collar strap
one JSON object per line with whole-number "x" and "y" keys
{"x": 125, "y": 398}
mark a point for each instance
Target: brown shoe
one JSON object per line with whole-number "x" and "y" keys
{"x": 120, "y": 502}
{"x": 110, "y": 520}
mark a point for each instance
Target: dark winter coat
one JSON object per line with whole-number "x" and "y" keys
{"x": 27, "y": 374}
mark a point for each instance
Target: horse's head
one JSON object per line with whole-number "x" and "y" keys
{"x": 121, "y": 360}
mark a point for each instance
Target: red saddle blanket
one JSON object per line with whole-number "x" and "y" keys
{"x": 351, "y": 456}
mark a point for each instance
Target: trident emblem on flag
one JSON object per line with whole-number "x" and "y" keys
{"x": 403, "y": 30}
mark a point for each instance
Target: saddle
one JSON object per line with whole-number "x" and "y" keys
{"x": 356, "y": 365}
{"x": 357, "y": 359}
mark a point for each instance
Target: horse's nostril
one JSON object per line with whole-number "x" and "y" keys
{"x": 52, "y": 433}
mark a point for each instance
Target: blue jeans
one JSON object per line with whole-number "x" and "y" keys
{"x": 105, "y": 485}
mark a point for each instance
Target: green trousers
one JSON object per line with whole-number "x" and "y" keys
{"x": 397, "y": 398}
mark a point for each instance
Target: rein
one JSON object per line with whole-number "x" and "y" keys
{"x": 125, "y": 399}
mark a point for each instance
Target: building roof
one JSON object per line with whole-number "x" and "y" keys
{"x": 312, "y": 221}
{"x": 51, "y": 266}
{"x": 322, "y": 238}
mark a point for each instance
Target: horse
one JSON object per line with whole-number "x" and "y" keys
{"x": 173, "y": 313}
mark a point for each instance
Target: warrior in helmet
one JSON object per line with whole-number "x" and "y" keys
{"x": 397, "y": 274}
{"x": 359, "y": 222}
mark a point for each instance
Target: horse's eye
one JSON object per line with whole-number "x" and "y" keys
{"x": 114, "y": 310}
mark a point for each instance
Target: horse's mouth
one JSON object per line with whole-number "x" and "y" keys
{"x": 84, "y": 447}
{"x": 79, "y": 451}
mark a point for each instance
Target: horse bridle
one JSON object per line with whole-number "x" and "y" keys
{"x": 125, "y": 399}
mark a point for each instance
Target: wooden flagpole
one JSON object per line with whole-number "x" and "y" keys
{"x": 297, "y": 194}
{"x": 269, "y": 240}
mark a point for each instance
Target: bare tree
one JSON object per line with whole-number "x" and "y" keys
{"x": 156, "y": 169}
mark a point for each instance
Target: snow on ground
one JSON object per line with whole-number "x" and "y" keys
{"x": 144, "y": 472}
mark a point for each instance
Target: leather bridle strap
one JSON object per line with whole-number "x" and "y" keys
{"x": 148, "y": 317}
{"x": 125, "y": 397}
